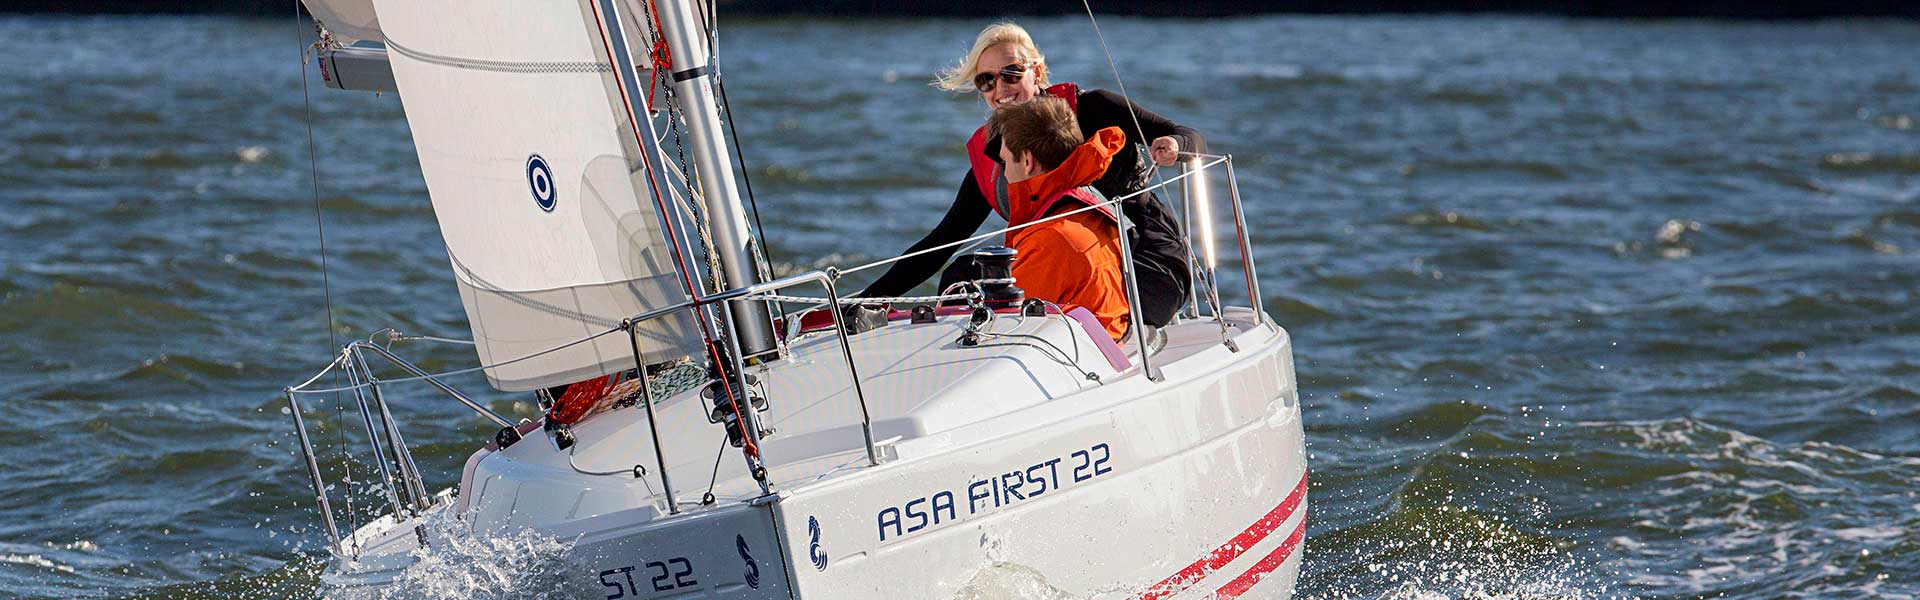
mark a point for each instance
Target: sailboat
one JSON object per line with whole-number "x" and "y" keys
{"x": 885, "y": 452}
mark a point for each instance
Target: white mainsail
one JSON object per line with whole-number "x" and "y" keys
{"x": 538, "y": 182}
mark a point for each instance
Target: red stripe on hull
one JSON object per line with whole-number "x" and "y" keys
{"x": 1272, "y": 561}
{"x": 1237, "y": 546}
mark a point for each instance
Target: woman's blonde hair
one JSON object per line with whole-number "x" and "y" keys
{"x": 959, "y": 78}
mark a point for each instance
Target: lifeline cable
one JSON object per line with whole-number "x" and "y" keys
{"x": 867, "y": 300}
{"x": 1111, "y": 202}
{"x": 300, "y": 389}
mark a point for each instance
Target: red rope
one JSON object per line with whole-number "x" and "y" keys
{"x": 662, "y": 56}
{"x": 574, "y": 403}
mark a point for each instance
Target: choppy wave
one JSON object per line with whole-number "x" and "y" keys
{"x": 1700, "y": 511}
{"x": 65, "y": 305}
{"x": 1744, "y": 517}
{"x": 1583, "y": 309}
{"x": 1868, "y": 162}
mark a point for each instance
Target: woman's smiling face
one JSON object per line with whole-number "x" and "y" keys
{"x": 1002, "y": 93}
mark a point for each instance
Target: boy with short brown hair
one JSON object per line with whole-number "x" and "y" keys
{"x": 1073, "y": 260}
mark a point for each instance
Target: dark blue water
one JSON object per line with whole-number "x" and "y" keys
{"x": 1582, "y": 309}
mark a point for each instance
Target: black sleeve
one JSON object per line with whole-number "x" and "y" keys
{"x": 968, "y": 212}
{"x": 1102, "y": 108}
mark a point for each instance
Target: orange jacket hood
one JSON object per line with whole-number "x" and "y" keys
{"x": 1031, "y": 198}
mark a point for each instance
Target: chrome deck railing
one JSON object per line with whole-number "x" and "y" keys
{"x": 406, "y": 491}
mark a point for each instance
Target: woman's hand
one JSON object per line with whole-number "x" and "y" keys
{"x": 1166, "y": 151}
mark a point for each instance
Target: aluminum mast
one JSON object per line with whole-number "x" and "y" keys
{"x": 726, "y": 217}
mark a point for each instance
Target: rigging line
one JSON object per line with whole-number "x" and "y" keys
{"x": 733, "y": 130}
{"x": 1074, "y": 363}
{"x": 710, "y": 19}
{"x": 693, "y": 197}
{"x": 465, "y": 371}
{"x": 1061, "y": 360}
{"x": 326, "y": 283}
{"x": 740, "y": 155}
{"x": 1069, "y": 321}
{"x": 715, "y": 478}
{"x": 1123, "y": 91}
{"x": 700, "y": 221}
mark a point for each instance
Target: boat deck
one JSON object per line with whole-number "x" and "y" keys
{"x": 921, "y": 386}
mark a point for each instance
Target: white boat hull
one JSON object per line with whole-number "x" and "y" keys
{"x": 1192, "y": 487}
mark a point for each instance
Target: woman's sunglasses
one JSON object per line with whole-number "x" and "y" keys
{"x": 1011, "y": 74}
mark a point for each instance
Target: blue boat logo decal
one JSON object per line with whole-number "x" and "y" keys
{"x": 753, "y": 569}
{"x": 813, "y": 547}
{"x": 540, "y": 182}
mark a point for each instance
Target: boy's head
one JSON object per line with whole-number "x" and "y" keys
{"x": 1035, "y": 136}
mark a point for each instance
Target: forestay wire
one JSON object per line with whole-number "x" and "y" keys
{"x": 320, "y": 224}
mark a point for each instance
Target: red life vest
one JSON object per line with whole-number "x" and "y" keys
{"x": 1085, "y": 195}
{"x": 986, "y": 172}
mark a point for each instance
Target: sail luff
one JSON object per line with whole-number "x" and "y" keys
{"x": 613, "y": 24}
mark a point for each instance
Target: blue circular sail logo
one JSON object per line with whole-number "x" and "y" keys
{"x": 540, "y": 181}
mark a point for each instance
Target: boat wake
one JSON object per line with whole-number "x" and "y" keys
{"x": 467, "y": 565}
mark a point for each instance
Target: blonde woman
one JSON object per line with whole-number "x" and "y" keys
{"x": 1005, "y": 67}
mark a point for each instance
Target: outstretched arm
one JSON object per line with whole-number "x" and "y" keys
{"x": 1103, "y": 106}
{"x": 968, "y": 212}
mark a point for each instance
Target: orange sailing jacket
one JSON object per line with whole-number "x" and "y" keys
{"x": 1071, "y": 261}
